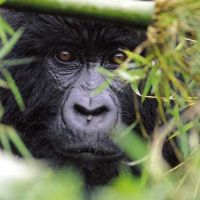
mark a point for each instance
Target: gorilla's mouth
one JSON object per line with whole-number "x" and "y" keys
{"x": 90, "y": 154}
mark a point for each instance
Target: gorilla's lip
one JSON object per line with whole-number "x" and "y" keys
{"x": 87, "y": 156}
{"x": 90, "y": 155}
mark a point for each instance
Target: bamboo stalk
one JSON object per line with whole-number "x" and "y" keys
{"x": 139, "y": 12}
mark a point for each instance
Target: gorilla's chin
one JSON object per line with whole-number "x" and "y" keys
{"x": 99, "y": 173}
{"x": 95, "y": 169}
{"x": 98, "y": 161}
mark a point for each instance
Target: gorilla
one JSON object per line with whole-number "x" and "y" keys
{"x": 63, "y": 122}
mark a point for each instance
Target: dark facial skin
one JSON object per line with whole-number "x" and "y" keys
{"x": 63, "y": 122}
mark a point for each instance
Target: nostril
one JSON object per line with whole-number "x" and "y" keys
{"x": 100, "y": 110}
{"x": 80, "y": 109}
{"x": 90, "y": 111}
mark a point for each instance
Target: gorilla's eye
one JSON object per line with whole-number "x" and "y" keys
{"x": 64, "y": 56}
{"x": 117, "y": 57}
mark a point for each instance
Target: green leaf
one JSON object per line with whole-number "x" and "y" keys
{"x": 13, "y": 87}
{"x": 2, "y": 1}
{"x": 132, "y": 75}
{"x": 13, "y": 136}
{"x": 10, "y": 44}
{"x": 6, "y": 27}
{"x": 131, "y": 143}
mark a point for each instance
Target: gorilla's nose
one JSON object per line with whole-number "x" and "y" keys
{"x": 90, "y": 114}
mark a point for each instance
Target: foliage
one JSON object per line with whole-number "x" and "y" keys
{"x": 8, "y": 40}
{"x": 133, "y": 11}
{"x": 170, "y": 71}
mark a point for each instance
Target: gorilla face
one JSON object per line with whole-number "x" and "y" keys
{"x": 63, "y": 122}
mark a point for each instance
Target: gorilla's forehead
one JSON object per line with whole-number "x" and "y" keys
{"x": 83, "y": 31}
{"x": 44, "y": 31}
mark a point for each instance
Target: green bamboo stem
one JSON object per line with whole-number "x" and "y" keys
{"x": 139, "y": 12}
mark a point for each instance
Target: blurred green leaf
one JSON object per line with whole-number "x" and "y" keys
{"x": 9, "y": 45}
{"x": 13, "y": 87}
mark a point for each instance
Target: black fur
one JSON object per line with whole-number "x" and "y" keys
{"x": 44, "y": 93}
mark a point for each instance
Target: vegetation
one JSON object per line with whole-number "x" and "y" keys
{"x": 134, "y": 11}
{"x": 171, "y": 69}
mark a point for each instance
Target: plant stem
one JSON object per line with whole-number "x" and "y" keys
{"x": 139, "y": 12}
